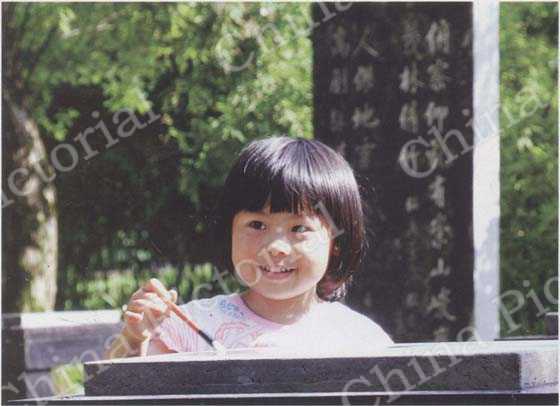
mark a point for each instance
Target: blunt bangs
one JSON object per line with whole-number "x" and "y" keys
{"x": 296, "y": 175}
{"x": 290, "y": 174}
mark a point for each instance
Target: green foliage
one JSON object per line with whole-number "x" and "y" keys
{"x": 529, "y": 165}
{"x": 126, "y": 48}
{"x": 113, "y": 289}
{"x": 68, "y": 379}
{"x": 219, "y": 74}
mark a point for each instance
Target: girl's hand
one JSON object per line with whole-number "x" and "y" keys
{"x": 145, "y": 311}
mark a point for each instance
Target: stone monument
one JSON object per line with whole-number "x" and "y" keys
{"x": 394, "y": 93}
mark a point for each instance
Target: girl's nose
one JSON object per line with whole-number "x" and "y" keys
{"x": 279, "y": 247}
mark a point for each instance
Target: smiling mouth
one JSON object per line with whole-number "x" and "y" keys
{"x": 276, "y": 270}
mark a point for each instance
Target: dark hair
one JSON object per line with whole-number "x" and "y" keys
{"x": 296, "y": 174}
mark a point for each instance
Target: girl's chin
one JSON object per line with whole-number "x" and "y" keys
{"x": 287, "y": 290}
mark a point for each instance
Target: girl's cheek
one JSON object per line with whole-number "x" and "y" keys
{"x": 247, "y": 237}
{"x": 247, "y": 272}
{"x": 311, "y": 244}
{"x": 252, "y": 245}
{"x": 305, "y": 246}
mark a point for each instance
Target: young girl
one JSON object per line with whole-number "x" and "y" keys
{"x": 290, "y": 227}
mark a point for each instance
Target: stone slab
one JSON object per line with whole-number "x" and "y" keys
{"x": 63, "y": 345}
{"x": 544, "y": 397}
{"x": 60, "y": 319}
{"x": 49, "y": 339}
{"x": 33, "y": 343}
{"x": 453, "y": 366}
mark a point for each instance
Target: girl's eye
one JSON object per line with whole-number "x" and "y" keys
{"x": 257, "y": 225}
{"x": 300, "y": 229}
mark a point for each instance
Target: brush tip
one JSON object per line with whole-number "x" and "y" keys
{"x": 219, "y": 347}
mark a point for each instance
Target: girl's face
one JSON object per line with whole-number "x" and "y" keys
{"x": 280, "y": 255}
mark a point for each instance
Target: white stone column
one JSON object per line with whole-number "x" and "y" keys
{"x": 486, "y": 164}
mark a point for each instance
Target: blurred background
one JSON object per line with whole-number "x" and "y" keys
{"x": 139, "y": 208}
{"x": 219, "y": 75}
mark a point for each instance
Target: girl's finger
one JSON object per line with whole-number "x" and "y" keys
{"x": 135, "y": 320}
{"x": 154, "y": 285}
{"x": 132, "y": 318}
{"x": 142, "y": 305}
{"x": 158, "y": 301}
{"x": 148, "y": 320}
{"x": 139, "y": 293}
{"x": 136, "y": 333}
{"x": 152, "y": 320}
{"x": 154, "y": 297}
{"x": 174, "y": 295}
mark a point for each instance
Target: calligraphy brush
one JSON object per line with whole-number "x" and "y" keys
{"x": 212, "y": 343}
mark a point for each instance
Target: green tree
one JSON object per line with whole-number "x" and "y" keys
{"x": 529, "y": 165}
{"x": 219, "y": 75}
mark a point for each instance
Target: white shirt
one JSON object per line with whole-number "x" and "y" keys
{"x": 328, "y": 327}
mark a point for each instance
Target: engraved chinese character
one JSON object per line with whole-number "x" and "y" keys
{"x": 363, "y": 80}
{"x": 440, "y": 269}
{"x": 438, "y": 78}
{"x": 439, "y": 231}
{"x": 441, "y": 334}
{"x": 408, "y": 118}
{"x": 339, "y": 81}
{"x": 437, "y": 190}
{"x": 434, "y": 154}
{"x": 434, "y": 112}
{"x": 411, "y": 203}
{"x": 438, "y": 37}
{"x": 408, "y": 158}
{"x": 367, "y": 44}
{"x": 337, "y": 120}
{"x": 339, "y": 45}
{"x": 411, "y": 38}
{"x": 440, "y": 304}
{"x": 365, "y": 117}
{"x": 363, "y": 152}
{"x": 412, "y": 300}
{"x": 409, "y": 79}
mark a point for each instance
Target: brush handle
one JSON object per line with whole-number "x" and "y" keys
{"x": 177, "y": 310}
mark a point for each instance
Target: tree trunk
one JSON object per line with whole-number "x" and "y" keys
{"x": 29, "y": 215}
